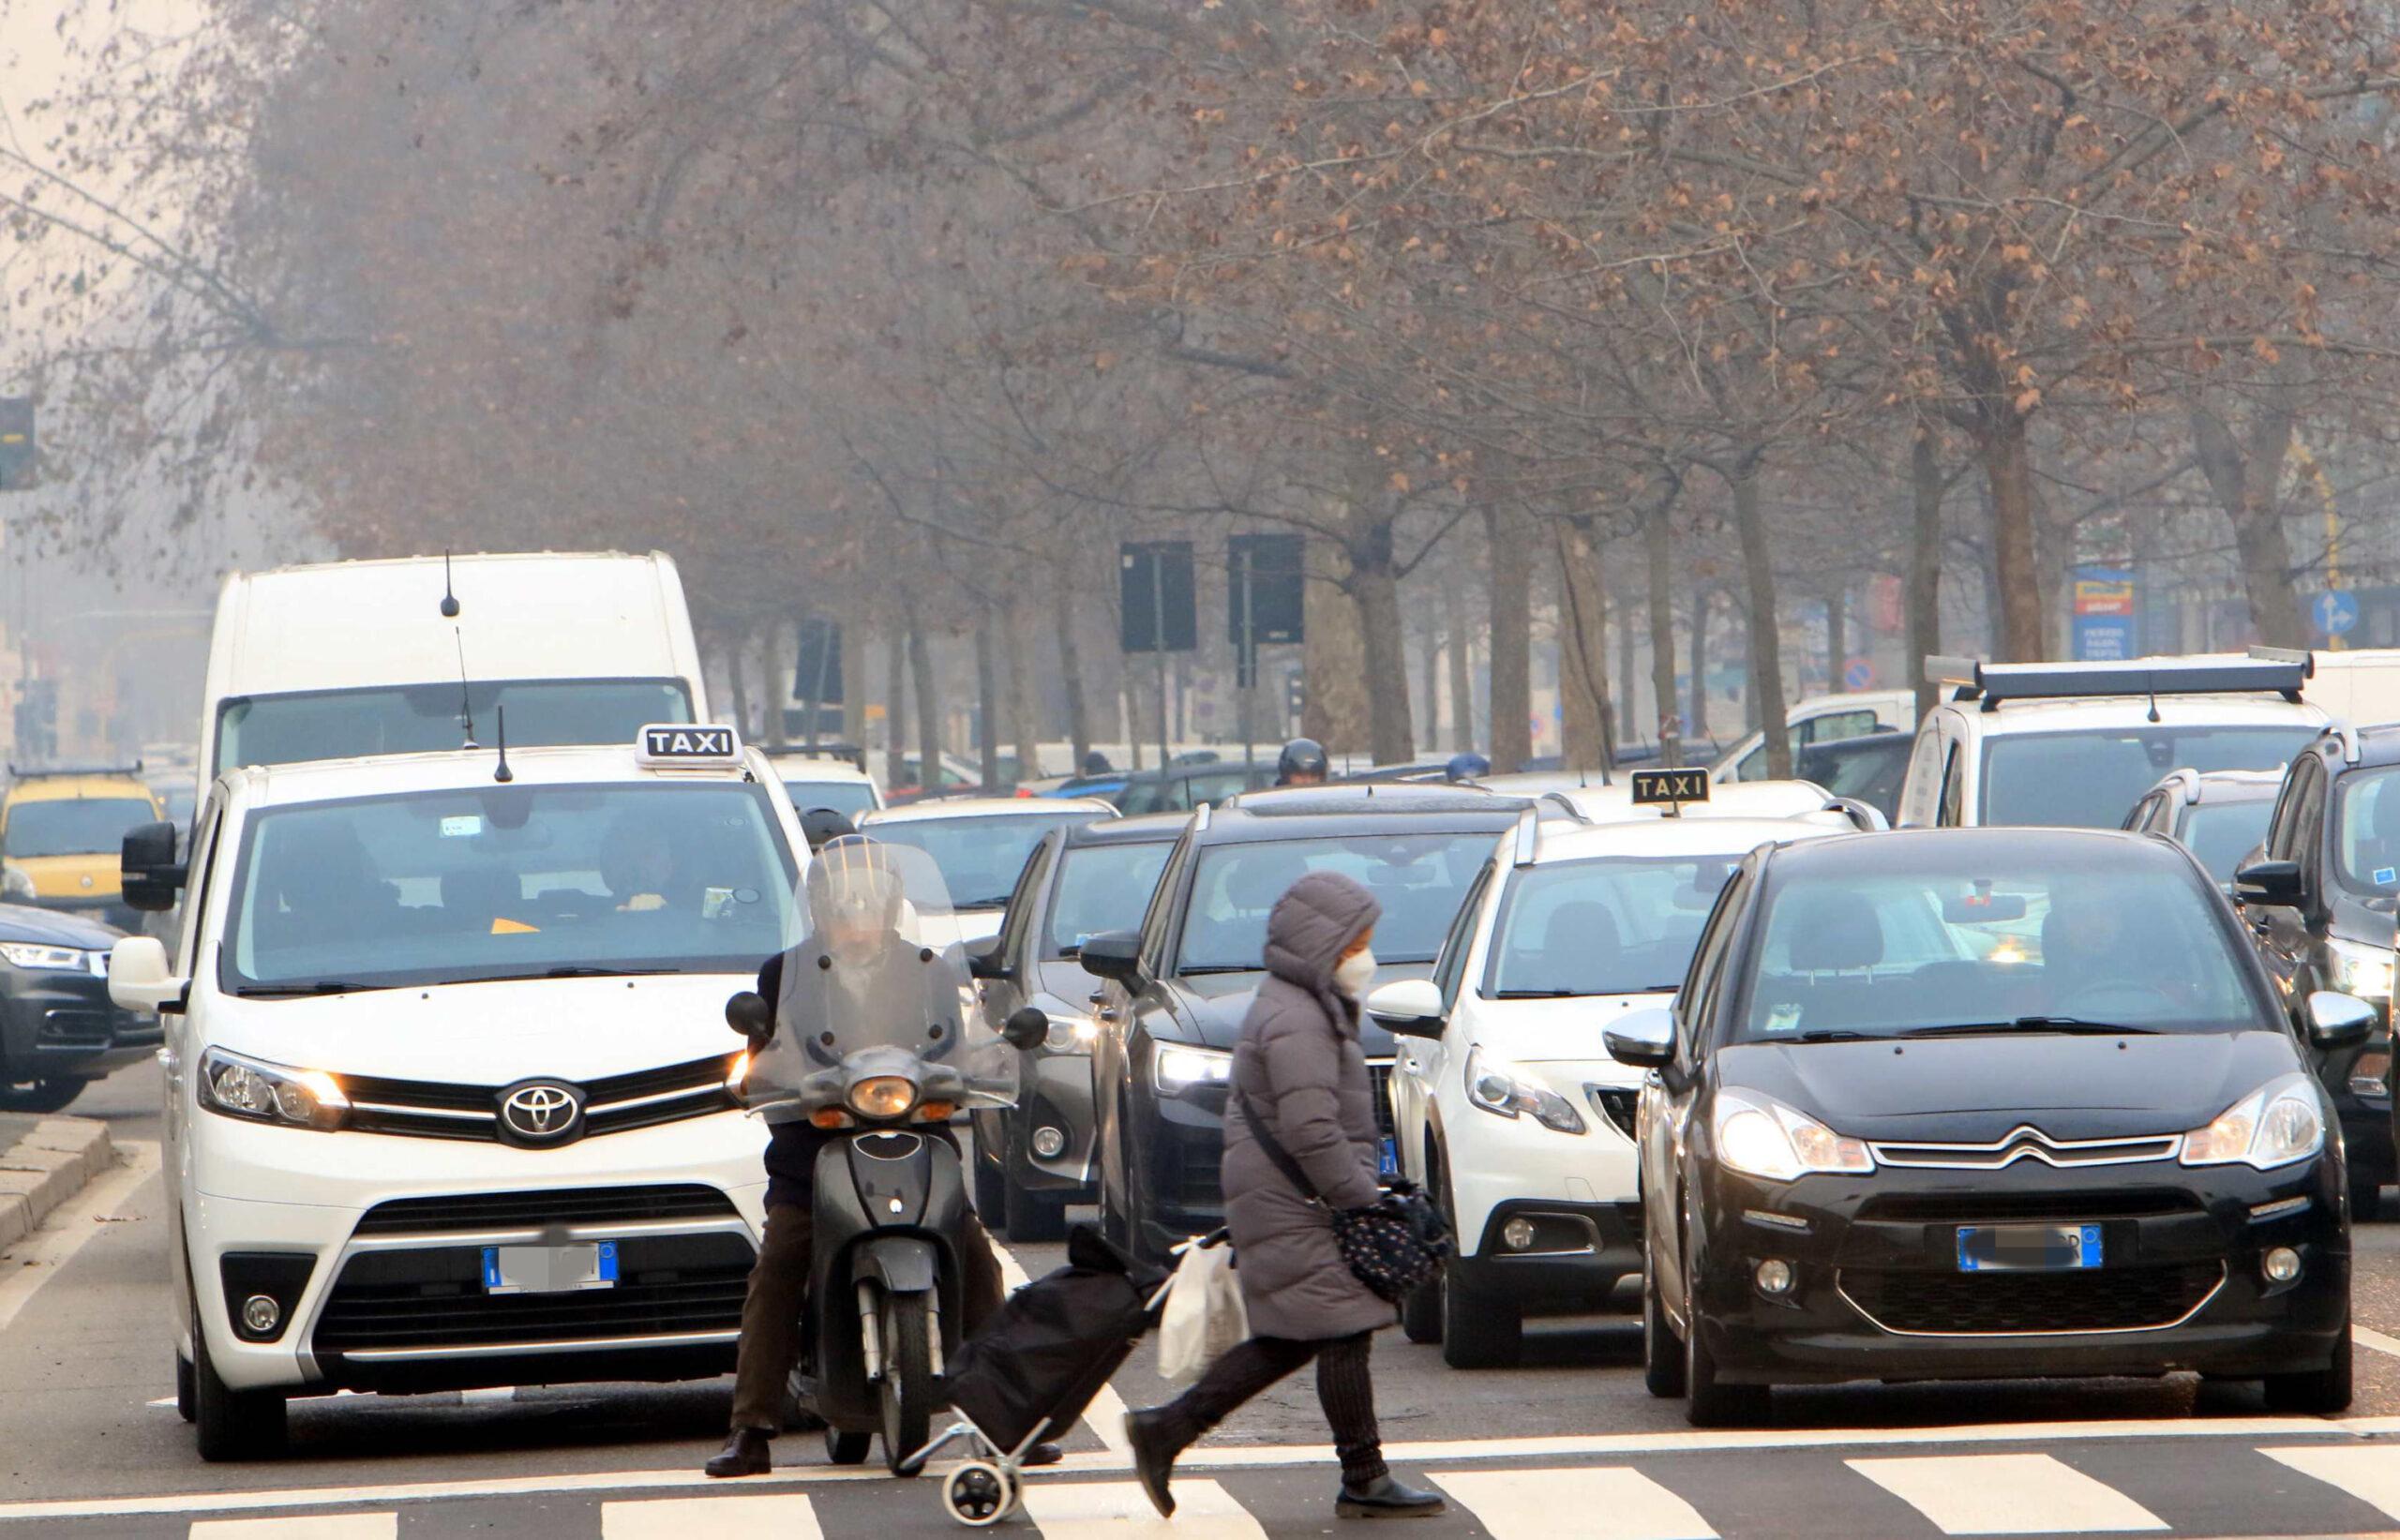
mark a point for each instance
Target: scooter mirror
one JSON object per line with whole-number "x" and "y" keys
{"x": 1026, "y": 1027}
{"x": 749, "y": 1014}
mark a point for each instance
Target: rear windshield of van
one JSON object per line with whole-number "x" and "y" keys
{"x": 285, "y": 729}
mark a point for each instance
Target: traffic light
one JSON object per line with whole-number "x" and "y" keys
{"x": 16, "y": 443}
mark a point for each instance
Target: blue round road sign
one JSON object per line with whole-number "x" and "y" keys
{"x": 2335, "y": 611}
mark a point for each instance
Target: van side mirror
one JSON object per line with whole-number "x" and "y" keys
{"x": 2338, "y": 1021}
{"x": 984, "y": 959}
{"x": 140, "y": 977}
{"x": 2274, "y": 883}
{"x": 147, "y": 868}
{"x": 1026, "y": 1027}
{"x": 1114, "y": 955}
{"x": 1408, "y": 1007}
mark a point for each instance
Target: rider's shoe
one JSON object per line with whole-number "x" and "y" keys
{"x": 744, "y": 1455}
{"x": 1384, "y": 1497}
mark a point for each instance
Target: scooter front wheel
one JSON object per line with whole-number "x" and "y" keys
{"x": 908, "y": 1378}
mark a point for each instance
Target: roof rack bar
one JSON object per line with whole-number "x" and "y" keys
{"x": 1996, "y": 682}
{"x": 2301, "y": 655}
{"x": 1200, "y": 818}
{"x": 1528, "y": 836}
{"x": 17, "y": 773}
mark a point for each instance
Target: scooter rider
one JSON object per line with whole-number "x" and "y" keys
{"x": 854, "y": 906}
{"x": 1302, "y": 763}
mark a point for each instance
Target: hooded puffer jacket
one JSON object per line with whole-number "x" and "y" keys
{"x": 1299, "y": 1067}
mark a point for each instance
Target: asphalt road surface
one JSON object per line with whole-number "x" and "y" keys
{"x": 1567, "y": 1445}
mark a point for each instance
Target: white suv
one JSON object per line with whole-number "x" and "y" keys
{"x": 1506, "y": 1107}
{"x": 450, "y": 1097}
{"x": 2077, "y": 743}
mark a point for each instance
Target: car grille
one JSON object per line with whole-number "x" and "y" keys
{"x": 72, "y": 1028}
{"x": 2102, "y": 1299}
{"x": 2065, "y": 1207}
{"x": 434, "y": 1298}
{"x": 527, "y": 1210}
{"x": 2028, "y": 1144}
{"x": 422, "y": 1109}
{"x": 1379, "y": 1073}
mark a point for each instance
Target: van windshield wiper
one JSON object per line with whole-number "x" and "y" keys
{"x": 573, "y": 970}
{"x": 1198, "y": 969}
{"x": 2069, "y": 1025}
{"x": 314, "y": 986}
{"x": 1829, "y": 1034}
{"x": 1542, "y": 994}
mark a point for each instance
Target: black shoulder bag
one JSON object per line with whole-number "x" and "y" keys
{"x": 1392, "y": 1247}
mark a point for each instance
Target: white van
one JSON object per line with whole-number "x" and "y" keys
{"x": 402, "y": 656}
{"x": 1820, "y": 719}
{"x": 2360, "y": 686}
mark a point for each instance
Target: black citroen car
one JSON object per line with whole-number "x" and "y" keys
{"x": 1970, "y": 1103}
{"x": 1174, "y": 992}
{"x": 1034, "y": 1159}
{"x": 58, "y": 1029}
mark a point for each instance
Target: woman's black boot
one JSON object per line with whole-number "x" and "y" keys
{"x": 1384, "y": 1497}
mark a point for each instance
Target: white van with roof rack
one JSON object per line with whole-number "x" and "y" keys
{"x": 343, "y": 659}
{"x": 2076, "y": 744}
{"x": 450, "y": 1101}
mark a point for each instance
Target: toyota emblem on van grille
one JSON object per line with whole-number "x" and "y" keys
{"x": 541, "y": 1112}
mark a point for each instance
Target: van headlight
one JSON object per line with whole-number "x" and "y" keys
{"x": 2363, "y": 971}
{"x": 31, "y": 954}
{"x": 2279, "y": 1124}
{"x": 1761, "y": 1137}
{"x": 1175, "y": 1068}
{"x": 1496, "y": 1086}
{"x": 270, "y": 1093}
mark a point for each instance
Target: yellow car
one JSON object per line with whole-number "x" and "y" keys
{"x": 65, "y": 830}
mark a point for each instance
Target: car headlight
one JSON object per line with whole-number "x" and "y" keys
{"x": 883, "y": 1095}
{"x": 31, "y": 954}
{"x": 2363, "y": 971}
{"x": 270, "y": 1093}
{"x": 2276, "y": 1125}
{"x": 1069, "y": 1033}
{"x": 1175, "y": 1068}
{"x": 1495, "y": 1085}
{"x": 1761, "y": 1137}
{"x": 16, "y": 884}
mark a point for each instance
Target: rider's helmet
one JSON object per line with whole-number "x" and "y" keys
{"x": 1302, "y": 763}
{"x": 1466, "y": 767}
{"x": 822, "y": 824}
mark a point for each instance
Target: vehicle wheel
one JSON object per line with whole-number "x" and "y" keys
{"x": 1662, "y": 1355}
{"x": 185, "y": 1392}
{"x": 846, "y": 1448}
{"x": 231, "y": 1425}
{"x": 2366, "y": 1198}
{"x": 1479, "y": 1331}
{"x": 1034, "y": 1217}
{"x": 908, "y": 1378}
{"x": 978, "y": 1494}
{"x": 42, "y": 1096}
{"x": 1420, "y": 1313}
{"x": 991, "y": 1192}
{"x": 2316, "y": 1390}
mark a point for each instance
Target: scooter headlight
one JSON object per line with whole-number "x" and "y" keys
{"x": 883, "y": 1095}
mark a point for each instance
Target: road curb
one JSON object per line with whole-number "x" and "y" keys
{"x": 45, "y": 1168}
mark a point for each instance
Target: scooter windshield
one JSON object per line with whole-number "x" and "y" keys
{"x": 870, "y": 1016}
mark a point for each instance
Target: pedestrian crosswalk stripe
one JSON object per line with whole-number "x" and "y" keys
{"x": 1608, "y": 1503}
{"x": 323, "y": 1526}
{"x": 2006, "y": 1494}
{"x": 743, "y": 1515}
{"x": 1117, "y": 1510}
{"x": 2371, "y": 1475}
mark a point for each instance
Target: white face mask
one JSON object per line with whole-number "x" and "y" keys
{"x": 1354, "y": 972}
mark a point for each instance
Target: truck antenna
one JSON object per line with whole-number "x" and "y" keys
{"x": 501, "y": 773}
{"x": 466, "y": 701}
{"x": 449, "y": 596}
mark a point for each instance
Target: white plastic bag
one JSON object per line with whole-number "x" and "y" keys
{"x": 1205, "y": 1316}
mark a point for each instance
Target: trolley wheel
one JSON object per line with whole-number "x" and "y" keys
{"x": 979, "y": 1494}
{"x": 846, "y": 1448}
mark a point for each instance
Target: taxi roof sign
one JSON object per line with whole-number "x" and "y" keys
{"x": 1669, "y": 788}
{"x": 678, "y": 743}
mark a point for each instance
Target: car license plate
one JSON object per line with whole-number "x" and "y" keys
{"x": 549, "y": 1269}
{"x": 2028, "y": 1247}
{"x": 1388, "y": 1158}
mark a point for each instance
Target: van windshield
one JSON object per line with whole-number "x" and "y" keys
{"x": 506, "y": 882}
{"x": 73, "y": 826}
{"x": 286, "y": 729}
{"x": 2085, "y": 780}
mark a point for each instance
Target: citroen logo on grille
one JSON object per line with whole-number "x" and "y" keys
{"x": 541, "y": 1112}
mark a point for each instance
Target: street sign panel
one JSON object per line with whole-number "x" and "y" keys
{"x": 2105, "y": 621}
{"x": 818, "y": 676}
{"x": 2335, "y": 611}
{"x": 1269, "y": 565}
{"x": 1858, "y": 674}
{"x": 1154, "y": 593}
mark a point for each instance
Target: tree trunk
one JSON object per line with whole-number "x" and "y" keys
{"x": 1428, "y": 660}
{"x": 896, "y": 707}
{"x": 778, "y": 735}
{"x": 739, "y": 680}
{"x": 1766, "y": 643}
{"x": 1461, "y": 649}
{"x": 1658, "y": 565}
{"x": 920, "y": 679}
{"x": 1025, "y": 703}
{"x": 1698, "y": 729}
{"x": 1071, "y": 664}
{"x": 1512, "y": 702}
{"x": 1586, "y": 732}
{"x": 1628, "y": 679}
{"x": 1924, "y": 595}
{"x": 1391, "y": 734}
{"x": 1836, "y": 636}
{"x": 2008, "y": 462}
{"x": 854, "y": 682}
{"x": 987, "y": 706}
{"x": 2248, "y": 486}
{"x": 1333, "y": 709}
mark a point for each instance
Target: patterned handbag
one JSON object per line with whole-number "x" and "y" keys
{"x": 1393, "y": 1246}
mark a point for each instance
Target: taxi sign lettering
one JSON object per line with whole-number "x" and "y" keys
{"x": 687, "y": 742}
{"x": 1654, "y": 787}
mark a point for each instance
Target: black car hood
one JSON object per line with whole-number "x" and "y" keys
{"x": 1209, "y": 1008}
{"x": 1973, "y": 1089}
{"x": 55, "y": 927}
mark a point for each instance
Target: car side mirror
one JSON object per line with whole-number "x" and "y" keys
{"x": 147, "y": 869}
{"x": 1026, "y": 1027}
{"x": 2338, "y": 1021}
{"x": 140, "y": 977}
{"x": 749, "y": 1014}
{"x": 1644, "y": 1039}
{"x": 2274, "y": 883}
{"x": 1114, "y": 955}
{"x": 984, "y": 959}
{"x": 1408, "y": 1007}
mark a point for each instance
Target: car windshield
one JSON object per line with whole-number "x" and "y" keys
{"x": 1101, "y": 888}
{"x": 1986, "y": 934}
{"x": 507, "y": 881}
{"x": 848, "y": 797}
{"x": 73, "y": 826}
{"x": 2085, "y": 780}
{"x": 2366, "y": 831}
{"x": 1871, "y": 772}
{"x": 1419, "y": 880}
{"x": 1608, "y": 926}
{"x": 2219, "y": 834}
{"x": 980, "y": 856}
{"x": 286, "y": 729}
